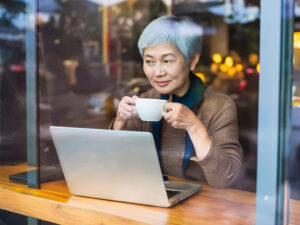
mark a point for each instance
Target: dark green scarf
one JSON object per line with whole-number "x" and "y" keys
{"x": 192, "y": 99}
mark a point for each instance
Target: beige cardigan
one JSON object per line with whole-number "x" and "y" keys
{"x": 220, "y": 167}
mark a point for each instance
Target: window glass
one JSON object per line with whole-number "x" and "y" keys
{"x": 12, "y": 84}
{"x": 89, "y": 60}
{"x": 12, "y": 97}
{"x": 294, "y": 151}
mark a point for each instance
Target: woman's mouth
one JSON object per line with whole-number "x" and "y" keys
{"x": 162, "y": 83}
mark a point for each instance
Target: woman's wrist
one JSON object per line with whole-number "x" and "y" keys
{"x": 200, "y": 138}
{"x": 119, "y": 124}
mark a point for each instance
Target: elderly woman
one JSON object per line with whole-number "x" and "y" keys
{"x": 198, "y": 136}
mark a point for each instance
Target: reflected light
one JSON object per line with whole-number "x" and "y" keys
{"x": 136, "y": 89}
{"x": 223, "y": 68}
{"x": 229, "y": 61}
{"x": 214, "y": 67}
{"x": 253, "y": 59}
{"x": 107, "y": 2}
{"x": 217, "y": 58}
{"x": 56, "y": 41}
{"x": 68, "y": 62}
{"x": 231, "y": 71}
{"x": 258, "y": 67}
{"x": 297, "y": 40}
{"x": 201, "y": 76}
{"x": 239, "y": 67}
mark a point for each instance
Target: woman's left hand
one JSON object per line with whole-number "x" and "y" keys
{"x": 180, "y": 116}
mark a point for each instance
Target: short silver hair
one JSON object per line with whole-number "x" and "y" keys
{"x": 182, "y": 32}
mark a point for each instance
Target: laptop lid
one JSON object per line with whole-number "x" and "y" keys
{"x": 110, "y": 164}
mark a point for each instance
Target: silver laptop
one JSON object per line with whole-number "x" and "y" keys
{"x": 115, "y": 165}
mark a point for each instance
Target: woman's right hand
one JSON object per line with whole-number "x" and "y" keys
{"x": 126, "y": 110}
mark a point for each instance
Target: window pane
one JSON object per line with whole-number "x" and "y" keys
{"x": 294, "y": 155}
{"x": 89, "y": 60}
{"x": 13, "y": 133}
{"x": 12, "y": 84}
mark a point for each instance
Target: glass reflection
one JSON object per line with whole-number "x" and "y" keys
{"x": 294, "y": 151}
{"x": 12, "y": 83}
{"x": 88, "y": 60}
{"x": 12, "y": 94}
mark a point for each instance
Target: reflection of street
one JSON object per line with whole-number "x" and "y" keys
{"x": 294, "y": 154}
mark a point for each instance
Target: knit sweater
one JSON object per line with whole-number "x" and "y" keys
{"x": 221, "y": 165}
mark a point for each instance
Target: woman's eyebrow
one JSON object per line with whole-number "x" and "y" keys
{"x": 150, "y": 56}
{"x": 169, "y": 54}
{"x": 163, "y": 56}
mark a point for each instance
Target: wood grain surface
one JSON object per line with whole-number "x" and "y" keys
{"x": 54, "y": 203}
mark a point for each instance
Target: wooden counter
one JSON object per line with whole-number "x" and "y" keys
{"x": 53, "y": 203}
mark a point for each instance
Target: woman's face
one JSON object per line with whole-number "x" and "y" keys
{"x": 166, "y": 69}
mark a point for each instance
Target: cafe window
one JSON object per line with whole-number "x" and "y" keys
{"x": 75, "y": 60}
{"x": 89, "y": 60}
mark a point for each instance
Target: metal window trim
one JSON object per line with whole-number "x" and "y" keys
{"x": 32, "y": 94}
{"x": 273, "y": 113}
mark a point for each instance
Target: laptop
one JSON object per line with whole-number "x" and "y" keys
{"x": 116, "y": 165}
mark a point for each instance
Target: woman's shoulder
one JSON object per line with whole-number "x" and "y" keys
{"x": 216, "y": 108}
{"x": 152, "y": 93}
{"x": 216, "y": 101}
{"x": 215, "y": 97}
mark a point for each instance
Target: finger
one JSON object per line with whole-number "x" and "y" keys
{"x": 128, "y": 108}
{"x": 170, "y": 106}
{"x": 128, "y": 114}
{"x": 128, "y": 100}
{"x": 168, "y": 115}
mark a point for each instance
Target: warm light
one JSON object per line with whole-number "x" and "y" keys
{"x": 231, "y": 71}
{"x": 239, "y": 67}
{"x": 68, "y": 62}
{"x": 258, "y": 67}
{"x": 217, "y": 58}
{"x": 201, "y": 76}
{"x": 229, "y": 61}
{"x": 214, "y": 67}
{"x": 56, "y": 41}
{"x": 297, "y": 40}
{"x": 136, "y": 89}
{"x": 253, "y": 59}
{"x": 223, "y": 68}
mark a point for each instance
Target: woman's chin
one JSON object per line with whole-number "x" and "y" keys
{"x": 163, "y": 91}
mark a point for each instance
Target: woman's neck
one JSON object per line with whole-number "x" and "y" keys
{"x": 184, "y": 88}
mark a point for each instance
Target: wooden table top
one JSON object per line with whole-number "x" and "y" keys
{"x": 54, "y": 203}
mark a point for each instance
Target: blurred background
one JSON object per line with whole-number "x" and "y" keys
{"x": 87, "y": 60}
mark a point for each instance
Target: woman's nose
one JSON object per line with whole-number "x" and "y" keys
{"x": 159, "y": 70}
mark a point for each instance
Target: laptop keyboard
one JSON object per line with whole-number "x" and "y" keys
{"x": 172, "y": 193}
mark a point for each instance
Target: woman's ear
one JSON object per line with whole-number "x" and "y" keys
{"x": 194, "y": 61}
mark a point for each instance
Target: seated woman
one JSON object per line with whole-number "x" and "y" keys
{"x": 198, "y": 136}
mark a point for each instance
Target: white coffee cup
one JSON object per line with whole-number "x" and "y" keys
{"x": 150, "y": 109}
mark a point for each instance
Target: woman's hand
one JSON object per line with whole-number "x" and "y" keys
{"x": 126, "y": 110}
{"x": 180, "y": 116}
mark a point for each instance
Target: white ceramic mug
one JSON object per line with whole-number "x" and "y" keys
{"x": 150, "y": 109}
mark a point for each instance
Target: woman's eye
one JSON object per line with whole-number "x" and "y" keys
{"x": 167, "y": 61}
{"x": 149, "y": 62}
